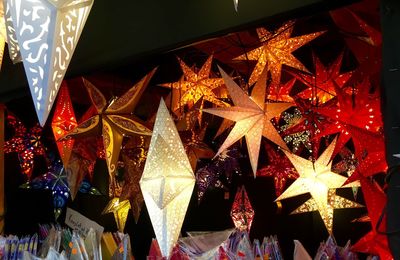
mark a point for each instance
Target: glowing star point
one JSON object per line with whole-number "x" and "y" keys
{"x": 120, "y": 209}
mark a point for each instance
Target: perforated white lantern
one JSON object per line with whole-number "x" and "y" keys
{"x": 167, "y": 182}
{"x": 47, "y": 32}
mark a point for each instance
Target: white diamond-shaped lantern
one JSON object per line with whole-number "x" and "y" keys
{"x": 47, "y": 32}
{"x": 167, "y": 182}
{"x": 2, "y": 32}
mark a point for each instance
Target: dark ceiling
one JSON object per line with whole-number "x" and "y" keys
{"x": 125, "y": 33}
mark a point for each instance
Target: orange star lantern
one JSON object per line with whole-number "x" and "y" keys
{"x": 114, "y": 120}
{"x": 64, "y": 121}
{"x": 252, "y": 116}
{"x": 276, "y": 50}
{"x": 196, "y": 86}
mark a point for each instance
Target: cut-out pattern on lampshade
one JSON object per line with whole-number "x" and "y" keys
{"x": 2, "y": 32}
{"x": 46, "y": 33}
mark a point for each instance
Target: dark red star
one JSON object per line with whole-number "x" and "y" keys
{"x": 279, "y": 167}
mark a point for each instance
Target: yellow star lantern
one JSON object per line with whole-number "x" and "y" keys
{"x": 2, "y": 32}
{"x": 276, "y": 50}
{"x": 120, "y": 209}
{"x": 114, "y": 120}
{"x": 195, "y": 86}
{"x": 252, "y": 117}
{"x": 318, "y": 179}
{"x": 45, "y": 33}
{"x": 167, "y": 182}
{"x": 334, "y": 202}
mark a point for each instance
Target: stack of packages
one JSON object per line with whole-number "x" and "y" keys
{"x": 330, "y": 250}
{"x": 327, "y": 250}
{"x": 221, "y": 245}
{"x": 57, "y": 243}
{"x": 12, "y": 247}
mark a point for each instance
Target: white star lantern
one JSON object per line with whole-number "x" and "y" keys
{"x": 318, "y": 179}
{"x": 252, "y": 116}
{"x": 45, "y": 34}
{"x": 167, "y": 182}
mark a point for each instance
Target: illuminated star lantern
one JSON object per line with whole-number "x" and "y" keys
{"x": 318, "y": 179}
{"x": 242, "y": 212}
{"x": 63, "y": 122}
{"x": 280, "y": 168}
{"x": 26, "y": 143}
{"x": 276, "y": 50}
{"x": 47, "y": 32}
{"x": 195, "y": 86}
{"x": 120, "y": 209}
{"x": 114, "y": 120}
{"x": 2, "y": 32}
{"x": 252, "y": 116}
{"x": 167, "y": 182}
{"x": 323, "y": 84}
{"x": 355, "y": 117}
{"x": 54, "y": 180}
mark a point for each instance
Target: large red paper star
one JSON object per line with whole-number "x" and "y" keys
{"x": 373, "y": 242}
{"x": 356, "y": 117}
{"x": 280, "y": 168}
{"x": 321, "y": 86}
{"x": 276, "y": 50}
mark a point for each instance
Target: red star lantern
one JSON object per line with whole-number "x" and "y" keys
{"x": 27, "y": 144}
{"x": 322, "y": 85}
{"x": 357, "y": 117}
{"x": 280, "y": 168}
{"x": 373, "y": 242}
{"x": 242, "y": 212}
{"x": 64, "y": 120}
